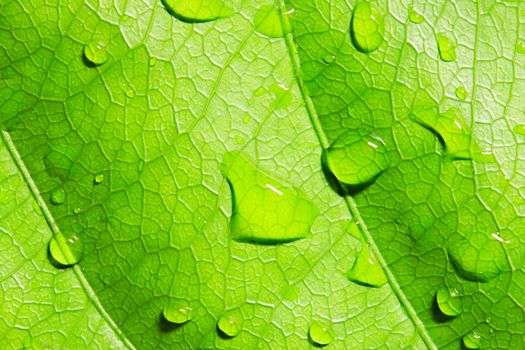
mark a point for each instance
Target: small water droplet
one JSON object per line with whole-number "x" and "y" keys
{"x": 472, "y": 340}
{"x": 461, "y": 93}
{"x": 265, "y": 209}
{"x": 239, "y": 139}
{"x": 356, "y": 160}
{"x": 152, "y": 61}
{"x": 328, "y": 58}
{"x": 66, "y": 251}
{"x": 77, "y": 210}
{"x": 246, "y": 119}
{"x": 283, "y": 97}
{"x": 520, "y": 47}
{"x": 447, "y": 48}
{"x": 230, "y": 323}
{"x": 267, "y": 22}
{"x": 96, "y": 52}
{"x": 414, "y": 16}
{"x": 193, "y": 11}
{"x": 320, "y": 333}
{"x": 367, "y": 27}
{"x": 129, "y": 92}
{"x": 366, "y": 271}
{"x": 448, "y": 301}
{"x": 58, "y": 196}
{"x": 99, "y": 178}
{"x": 177, "y": 312}
{"x": 520, "y": 129}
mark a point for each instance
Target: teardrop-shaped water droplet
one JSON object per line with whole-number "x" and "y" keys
{"x": 472, "y": 340}
{"x": 366, "y": 271}
{"x": 177, "y": 311}
{"x": 414, "y": 16}
{"x": 247, "y": 118}
{"x": 230, "y": 323}
{"x": 461, "y": 93}
{"x": 192, "y": 11}
{"x": 58, "y": 196}
{"x": 265, "y": 209}
{"x": 447, "y": 48}
{"x": 519, "y": 129}
{"x": 356, "y": 160}
{"x": 267, "y": 22}
{"x": 99, "y": 178}
{"x": 448, "y": 301}
{"x": 66, "y": 250}
{"x": 320, "y": 333}
{"x": 95, "y": 52}
{"x": 367, "y": 27}
{"x": 480, "y": 257}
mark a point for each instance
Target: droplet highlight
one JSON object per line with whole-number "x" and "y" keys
{"x": 320, "y": 333}
{"x": 193, "y": 11}
{"x": 265, "y": 209}
{"x": 230, "y": 323}
{"x": 447, "y": 48}
{"x": 177, "y": 312}
{"x": 367, "y": 27}
{"x": 414, "y": 16}
{"x": 356, "y": 159}
{"x": 58, "y": 196}
{"x": 66, "y": 251}
{"x": 99, "y": 178}
{"x": 95, "y": 52}
{"x": 366, "y": 271}
{"x": 267, "y": 22}
{"x": 448, "y": 301}
{"x": 472, "y": 340}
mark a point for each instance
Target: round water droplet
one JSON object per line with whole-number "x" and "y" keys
{"x": 129, "y": 92}
{"x": 356, "y": 160}
{"x": 239, "y": 139}
{"x": 96, "y": 52}
{"x": 448, "y": 301}
{"x": 66, "y": 251}
{"x": 152, "y": 61}
{"x": 77, "y": 210}
{"x": 519, "y": 129}
{"x": 472, "y": 340}
{"x": 58, "y": 196}
{"x": 320, "y": 333}
{"x": 461, "y": 93}
{"x": 447, "y": 48}
{"x": 230, "y": 323}
{"x": 367, "y": 27}
{"x": 520, "y": 47}
{"x": 177, "y": 312}
{"x": 267, "y": 22}
{"x": 414, "y": 16}
{"x": 366, "y": 271}
{"x": 328, "y": 58}
{"x": 99, "y": 178}
{"x": 197, "y": 10}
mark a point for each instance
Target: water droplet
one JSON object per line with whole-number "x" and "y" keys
{"x": 77, "y": 210}
{"x": 129, "y": 92}
{"x": 239, "y": 139}
{"x": 520, "y": 129}
{"x": 265, "y": 209}
{"x": 367, "y": 27}
{"x": 247, "y": 118}
{"x": 99, "y": 178}
{"x": 58, "y": 196}
{"x": 414, "y": 16}
{"x": 355, "y": 159}
{"x": 267, "y": 22}
{"x": 283, "y": 97}
{"x": 96, "y": 52}
{"x": 480, "y": 257}
{"x": 447, "y": 48}
{"x": 461, "y": 93}
{"x": 448, "y": 301}
{"x": 177, "y": 312}
{"x": 152, "y": 61}
{"x": 320, "y": 333}
{"x": 520, "y": 48}
{"x": 328, "y": 58}
{"x": 230, "y": 323}
{"x": 451, "y": 130}
{"x": 366, "y": 271}
{"x": 472, "y": 340}
{"x": 193, "y": 11}
{"x": 66, "y": 251}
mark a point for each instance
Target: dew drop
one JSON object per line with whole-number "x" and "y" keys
{"x": 320, "y": 333}
{"x": 230, "y": 323}
{"x": 366, "y": 271}
{"x": 58, "y": 196}
{"x": 367, "y": 27}
{"x": 152, "y": 61}
{"x": 447, "y": 48}
{"x": 96, "y": 52}
{"x": 239, "y": 139}
{"x": 461, "y": 93}
{"x": 520, "y": 48}
{"x": 246, "y": 119}
{"x": 414, "y": 16}
{"x": 356, "y": 160}
{"x": 177, "y": 312}
{"x": 193, "y": 11}
{"x": 265, "y": 209}
{"x": 448, "y": 301}
{"x": 66, "y": 251}
{"x": 77, "y": 210}
{"x": 520, "y": 129}
{"x": 472, "y": 340}
{"x": 99, "y": 178}
{"x": 267, "y": 22}
{"x": 328, "y": 58}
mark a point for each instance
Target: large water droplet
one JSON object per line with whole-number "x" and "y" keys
{"x": 320, "y": 333}
{"x": 367, "y": 27}
{"x": 197, "y": 10}
{"x": 355, "y": 159}
{"x": 366, "y": 271}
{"x": 480, "y": 257}
{"x": 414, "y": 16}
{"x": 267, "y": 21}
{"x": 66, "y": 251}
{"x": 230, "y": 323}
{"x": 58, "y": 196}
{"x": 96, "y": 52}
{"x": 472, "y": 340}
{"x": 177, "y": 312}
{"x": 451, "y": 130}
{"x": 448, "y": 301}
{"x": 447, "y": 48}
{"x": 265, "y": 210}
{"x": 461, "y": 93}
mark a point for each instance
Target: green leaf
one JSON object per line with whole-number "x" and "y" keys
{"x": 123, "y": 115}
